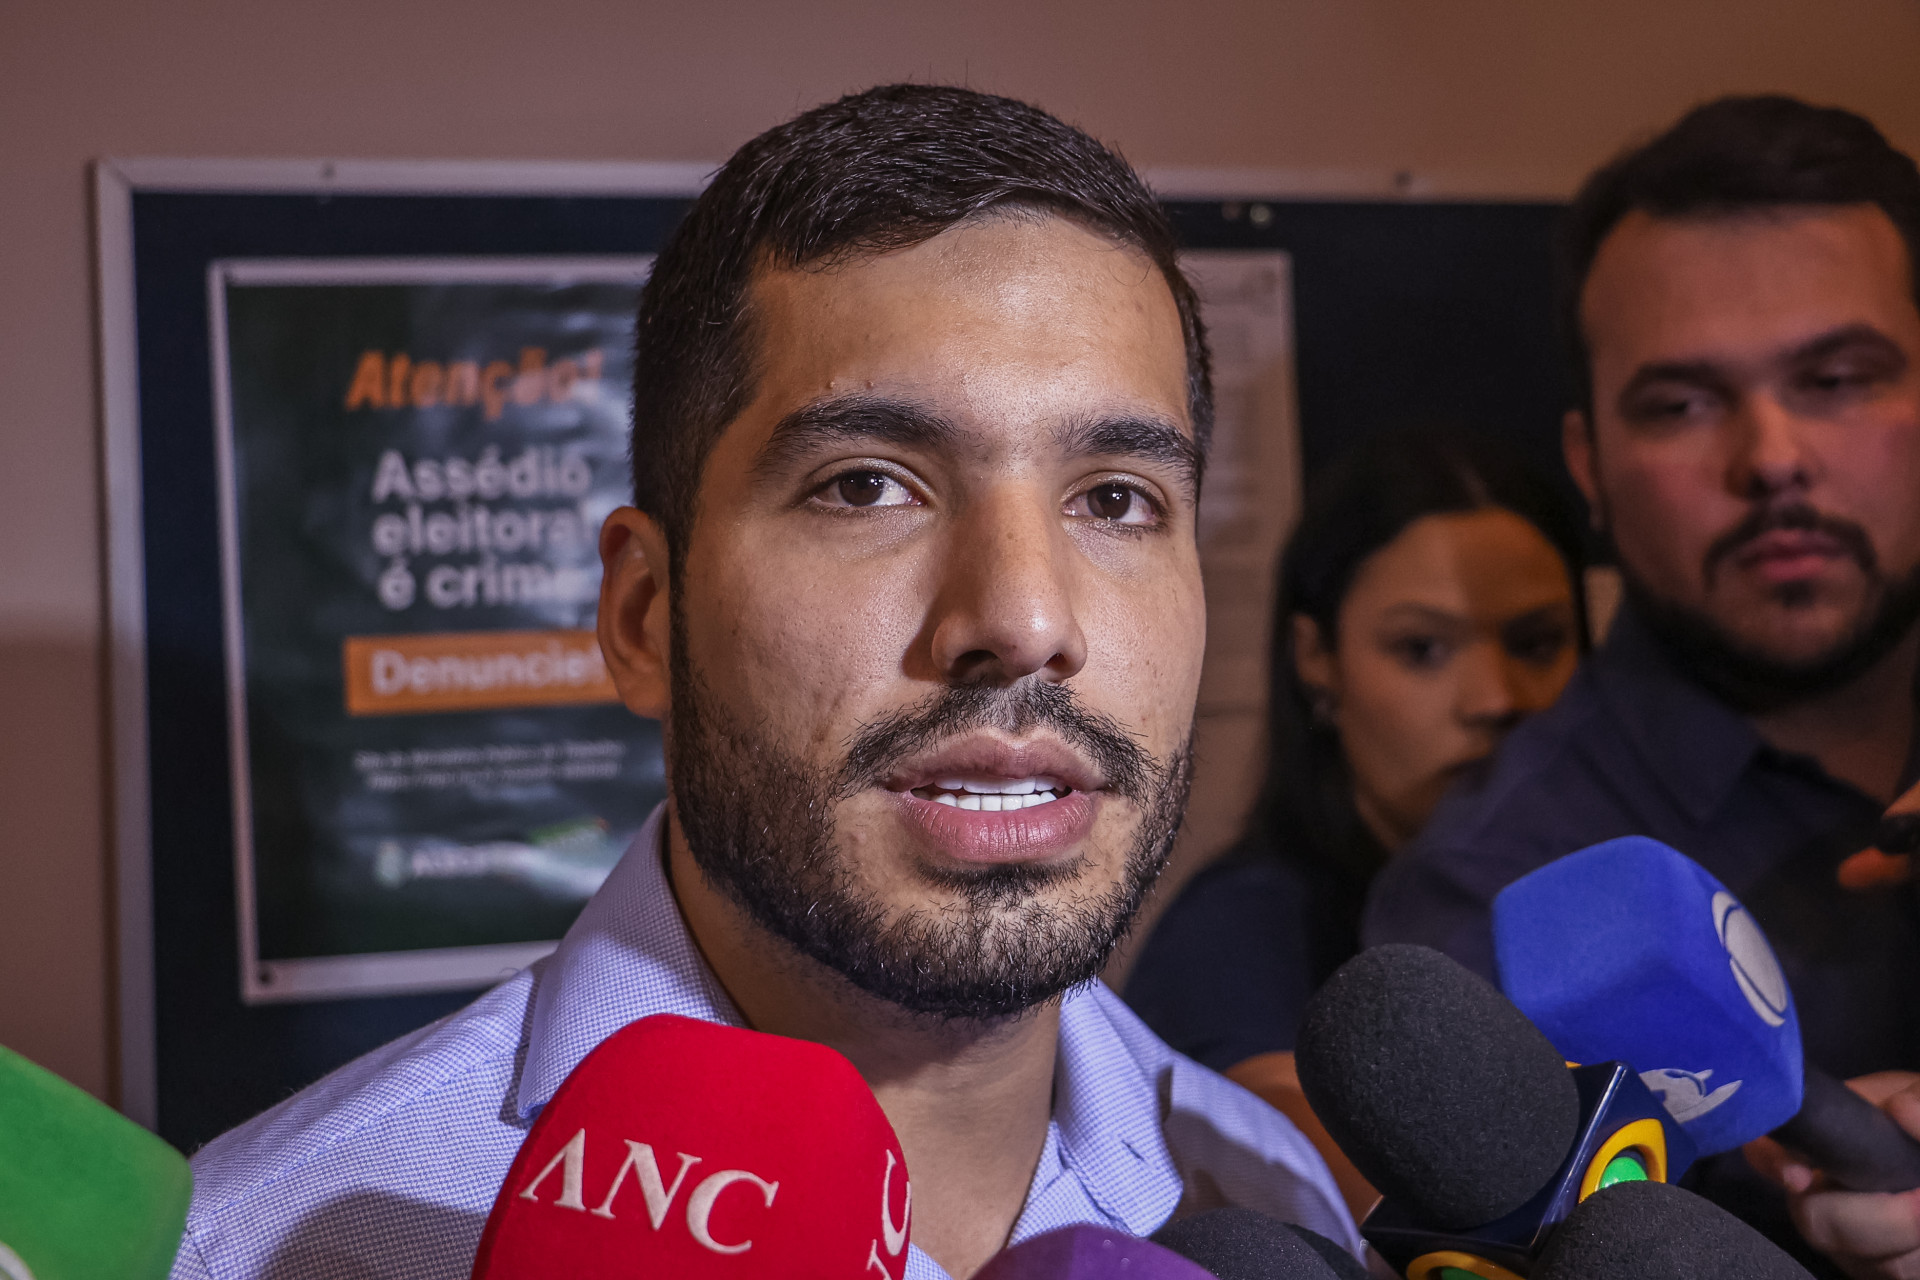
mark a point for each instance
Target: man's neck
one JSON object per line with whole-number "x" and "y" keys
{"x": 970, "y": 1102}
{"x": 1861, "y": 734}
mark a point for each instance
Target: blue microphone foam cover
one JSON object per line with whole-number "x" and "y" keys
{"x": 1630, "y": 950}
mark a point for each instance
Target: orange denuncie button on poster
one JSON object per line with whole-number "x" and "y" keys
{"x": 473, "y": 670}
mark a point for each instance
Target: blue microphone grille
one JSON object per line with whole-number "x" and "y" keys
{"x": 1629, "y": 950}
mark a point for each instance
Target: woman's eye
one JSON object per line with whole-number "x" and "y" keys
{"x": 1421, "y": 652}
{"x": 1540, "y": 646}
{"x": 1114, "y": 503}
{"x": 865, "y": 489}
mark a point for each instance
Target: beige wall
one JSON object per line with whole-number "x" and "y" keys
{"x": 1499, "y": 96}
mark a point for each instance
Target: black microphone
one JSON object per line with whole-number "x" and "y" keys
{"x": 1240, "y": 1244}
{"x": 1651, "y": 1231}
{"x": 1470, "y": 1123}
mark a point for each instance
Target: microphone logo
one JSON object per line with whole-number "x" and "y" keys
{"x": 895, "y": 1237}
{"x": 11, "y": 1267}
{"x": 1752, "y": 960}
{"x": 1684, "y": 1094}
{"x": 658, "y": 1194}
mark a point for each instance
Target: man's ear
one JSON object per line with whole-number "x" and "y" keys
{"x": 1576, "y": 445}
{"x": 634, "y": 625}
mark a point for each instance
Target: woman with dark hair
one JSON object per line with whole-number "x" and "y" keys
{"x": 1427, "y": 601}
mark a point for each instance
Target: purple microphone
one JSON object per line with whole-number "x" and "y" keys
{"x": 1089, "y": 1253}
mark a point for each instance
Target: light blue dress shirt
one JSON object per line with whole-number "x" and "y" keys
{"x": 388, "y": 1167}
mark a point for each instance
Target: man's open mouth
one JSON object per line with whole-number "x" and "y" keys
{"x": 993, "y": 795}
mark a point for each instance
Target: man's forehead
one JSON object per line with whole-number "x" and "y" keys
{"x": 1009, "y": 316}
{"x": 1747, "y": 280}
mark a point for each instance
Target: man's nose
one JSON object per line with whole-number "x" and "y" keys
{"x": 1770, "y": 453}
{"x": 1005, "y": 608}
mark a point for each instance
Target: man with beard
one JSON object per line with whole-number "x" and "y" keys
{"x": 920, "y": 414}
{"x": 1740, "y": 295}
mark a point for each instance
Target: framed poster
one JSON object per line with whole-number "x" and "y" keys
{"x": 362, "y": 420}
{"x": 431, "y": 771}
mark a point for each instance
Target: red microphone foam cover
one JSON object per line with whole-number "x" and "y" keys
{"x": 687, "y": 1149}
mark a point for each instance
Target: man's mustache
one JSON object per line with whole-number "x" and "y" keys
{"x": 1800, "y": 518}
{"x": 957, "y": 709}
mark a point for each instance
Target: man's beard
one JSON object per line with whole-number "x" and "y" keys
{"x": 1753, "y": 682}
{"x": 760, "y": 826}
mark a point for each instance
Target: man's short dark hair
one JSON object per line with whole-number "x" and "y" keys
{"x": 1731, "y": 156}
{"x": 875, "y": 171}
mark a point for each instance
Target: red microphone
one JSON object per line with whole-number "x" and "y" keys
{"x": 688, "y": 1149}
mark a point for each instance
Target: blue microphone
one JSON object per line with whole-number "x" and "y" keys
{"x": 1631, "y": 951}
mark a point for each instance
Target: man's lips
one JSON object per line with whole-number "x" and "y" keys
{"x": 1783, "y": 555}
{"x": 1032, "y": 834}
{"x": 981, "y": 799}
{"x": 996, "y": 764}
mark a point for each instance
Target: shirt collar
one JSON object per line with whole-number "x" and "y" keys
{"x": 1696, "y": 745}
{"x": 627, "y": 955}
{"x": 1109, "y": 1112}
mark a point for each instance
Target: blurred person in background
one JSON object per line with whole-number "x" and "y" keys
{"x": 1740, "y": 298}
{"x": 1427, "y": 602}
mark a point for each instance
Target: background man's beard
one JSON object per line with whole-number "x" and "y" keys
{"x": 1755, "y": 683}
{"x": 760, "y": 826}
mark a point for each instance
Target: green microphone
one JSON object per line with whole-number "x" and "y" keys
{"x": 85, "y": 1193}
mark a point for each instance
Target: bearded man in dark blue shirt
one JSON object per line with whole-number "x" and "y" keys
{"x": 1741, "y": 297}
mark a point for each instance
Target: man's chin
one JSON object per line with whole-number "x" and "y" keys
{"x": 1786, "y": 648}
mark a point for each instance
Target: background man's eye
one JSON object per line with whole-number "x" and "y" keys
{"x": 866, "y": 489}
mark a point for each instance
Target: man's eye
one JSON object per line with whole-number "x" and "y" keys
{"x": 1840, "y": 377}
{"x": 1671, "y": 406}
{"x": 865, "y": 489}
{"x": 1114, "y": 503}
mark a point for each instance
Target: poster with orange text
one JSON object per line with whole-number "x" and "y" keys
{"x": 432, "y": 769}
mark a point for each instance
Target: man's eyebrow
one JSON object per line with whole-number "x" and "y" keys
{"x": 851, "y": 418}
{"x": 1705, "y": 373}
{"x": 1837, "y": 340}
{"x": 1147, "y": 438}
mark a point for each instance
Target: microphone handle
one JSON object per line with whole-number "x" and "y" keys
{"x": 1852, "y": 1141}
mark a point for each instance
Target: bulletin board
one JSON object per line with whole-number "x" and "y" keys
{"x": 431, "y": 667}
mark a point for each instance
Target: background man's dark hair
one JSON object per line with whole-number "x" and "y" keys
{"x": 1730, "y": 156}
{"x": 875, "y": 171}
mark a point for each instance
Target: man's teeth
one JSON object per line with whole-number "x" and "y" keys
{"x": 993, "y": 797}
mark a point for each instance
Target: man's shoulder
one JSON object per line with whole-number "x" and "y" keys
{"x": 421, "y": 1126}
{"x": 1565, "y": 772}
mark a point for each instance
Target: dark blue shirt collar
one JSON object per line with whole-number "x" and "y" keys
{"x": 1696, "y": 745}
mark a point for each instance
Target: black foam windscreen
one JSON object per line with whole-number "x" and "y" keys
{"x": 1441, "y": 1092}
{"x": 1239, "y": 1244}
{"x": 1338, "y": 1260}
{"x": 1654, "y": 1231}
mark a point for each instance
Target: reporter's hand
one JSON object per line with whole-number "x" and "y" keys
{"x": 1890, "y": 861}
{"x": 1871, "y": 1236}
